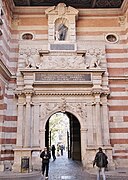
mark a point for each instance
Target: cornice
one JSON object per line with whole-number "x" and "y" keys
{"x": 62, "y": 94}
{"x": 92, "y": 12}
{"x": 33, "y": 70}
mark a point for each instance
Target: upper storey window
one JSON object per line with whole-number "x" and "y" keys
{"x": 27, "y": 36}
{"x": 111, "y": 38}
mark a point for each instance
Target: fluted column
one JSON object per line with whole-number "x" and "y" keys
{"x": 106, "y": 139}
{"x": 27, "y": 137}
{"x": 98, "y": 120}
{"x": 20, "y": 121}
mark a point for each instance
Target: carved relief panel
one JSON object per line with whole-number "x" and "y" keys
{"x": 30, "y": 58}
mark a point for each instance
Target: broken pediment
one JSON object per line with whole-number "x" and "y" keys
{"x": 61, "y": 23}
{"x": 61, "y": 9}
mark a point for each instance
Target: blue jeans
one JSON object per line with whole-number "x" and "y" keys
{"x": 101, "y": 170}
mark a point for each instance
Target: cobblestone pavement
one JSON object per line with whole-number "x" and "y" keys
{"x": 64, "y": 169}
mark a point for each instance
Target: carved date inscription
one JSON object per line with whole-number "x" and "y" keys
{"x": 62, "y": 77}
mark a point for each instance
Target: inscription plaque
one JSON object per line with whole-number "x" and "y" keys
{"x": 45, "y": 76}
{"x": 62, "y": 47}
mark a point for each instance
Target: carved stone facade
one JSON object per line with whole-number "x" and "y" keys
{"x": 82, "y": 74}
{"x": 62, "y": 59}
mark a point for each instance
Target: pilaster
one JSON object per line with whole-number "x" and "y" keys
{"x": 27, "y": 137}
{"x": 105, "y": 120}
{"x": 90, "y": 124}
{"x": 84, "y": 146}
{"x": 98, "y": 120}
{"x": 20, "y": 121}
{"x": 36, "y": 125}
{"x": 42, "y": 137}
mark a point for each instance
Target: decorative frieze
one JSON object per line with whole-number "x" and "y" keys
{"x": 32, "y": 58}
{"x": 63, "y": 106}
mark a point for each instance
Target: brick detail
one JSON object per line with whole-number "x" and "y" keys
{"x": 8, "y": 129}
{"x": 120, "y": 157}
{"x": 118, "y": 108}
{"x": 125, "y": 118}
{"x": 118, "y": 141}
{"x": 118, "y": 130}
{"x": 7, "y": 141}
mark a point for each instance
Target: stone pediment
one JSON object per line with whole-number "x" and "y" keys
{"x": 61, "y": 23}
{"x": 61, "y": 9}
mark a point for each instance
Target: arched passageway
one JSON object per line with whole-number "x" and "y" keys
{"x": 66, "y": 125}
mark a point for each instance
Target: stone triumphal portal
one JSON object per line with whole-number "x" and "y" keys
{"x": 62, "y": 75}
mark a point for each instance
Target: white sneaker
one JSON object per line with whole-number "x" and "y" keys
{"x": 46, "y": 177}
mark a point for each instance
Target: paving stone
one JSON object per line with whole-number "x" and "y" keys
{"x": 65, "y": 169}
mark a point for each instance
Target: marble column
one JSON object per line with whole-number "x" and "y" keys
{"x": 27, "y": 137}
{"x": 20, "y": 121}
{"x": 83, "y": 145}
{"x": 98, "y": 120}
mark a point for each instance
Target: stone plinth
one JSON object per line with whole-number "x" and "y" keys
{"x": 18, "y": 154}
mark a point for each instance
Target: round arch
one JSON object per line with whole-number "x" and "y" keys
{"x": 73, "y": 136}
{"x": 82, "y": 120}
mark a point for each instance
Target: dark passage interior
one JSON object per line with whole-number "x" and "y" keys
{"x": 73, "y": 137}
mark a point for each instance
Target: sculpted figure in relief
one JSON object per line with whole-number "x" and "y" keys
{"x": 32, "y": 58}
{"x": 95, "y": 61}
{"x": 92, "y": 58}
{"x": 63, "y": 105}
{"x": 61, "y": 8}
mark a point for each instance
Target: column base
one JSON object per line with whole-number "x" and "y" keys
{"x": 18, "y": 155}
{"x": 32, "y": 155}
{"x": 1, "y": 167}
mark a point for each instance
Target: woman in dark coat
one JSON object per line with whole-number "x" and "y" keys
{"x": 53, "y": 152}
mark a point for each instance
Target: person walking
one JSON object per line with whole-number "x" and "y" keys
{"x": 101, "y": 163}
{"x": 61, "y": 149}
{"x": 45, "y": 155}
{"x": 58, "y": 149}
{"x": 53, "y": 152}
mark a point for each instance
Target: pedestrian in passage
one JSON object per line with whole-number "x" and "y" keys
{"x": 53, "y": 152}
{"x": 61, "y": 149}
{"x": 101, "y": 163}
{"x": 45, "y": 155}
{"x": 58, "y": 149}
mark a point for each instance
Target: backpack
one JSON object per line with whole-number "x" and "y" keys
{"x": 101, "y": 160}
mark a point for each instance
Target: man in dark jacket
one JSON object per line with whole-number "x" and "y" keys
{"x": 45, "y": 155}
{"x": 101, "y": 162}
